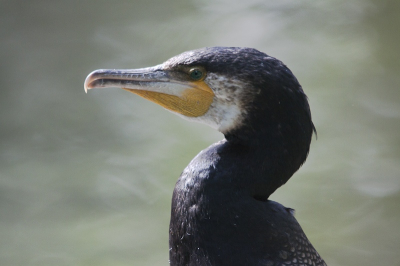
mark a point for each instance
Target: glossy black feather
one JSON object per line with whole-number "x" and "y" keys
{"x": 220, "y": 213}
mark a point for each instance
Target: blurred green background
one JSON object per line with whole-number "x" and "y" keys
{"x": 87, "y": 179}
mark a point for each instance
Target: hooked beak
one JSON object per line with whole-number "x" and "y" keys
{"x": 188, "y": 98}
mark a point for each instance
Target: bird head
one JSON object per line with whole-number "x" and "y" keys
{"x": 223, "y": 87}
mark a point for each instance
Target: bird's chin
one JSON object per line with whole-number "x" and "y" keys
{"x": 221, "y": 119}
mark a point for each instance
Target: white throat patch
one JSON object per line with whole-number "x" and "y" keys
{"x": 226, "y": 111}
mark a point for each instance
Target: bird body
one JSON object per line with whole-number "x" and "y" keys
{"x": 215, "y": 220}
{"x": 221, "y": 214}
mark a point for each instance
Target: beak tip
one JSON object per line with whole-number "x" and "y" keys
{"x": 88, "y": 80}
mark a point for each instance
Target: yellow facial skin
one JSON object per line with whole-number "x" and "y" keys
{"x": 194, "y": 101}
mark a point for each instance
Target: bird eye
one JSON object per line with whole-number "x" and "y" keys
{"x": 195, "y": 74}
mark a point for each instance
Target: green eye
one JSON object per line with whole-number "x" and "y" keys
{"x": 195, "y": 74}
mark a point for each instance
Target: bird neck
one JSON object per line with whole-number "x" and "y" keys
{"x": 212, "y": 191}
{"x": 270, "y": 153}
{"x": 222, "y": 181}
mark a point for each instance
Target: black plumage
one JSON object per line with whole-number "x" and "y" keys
{"x": 221, "y": 214}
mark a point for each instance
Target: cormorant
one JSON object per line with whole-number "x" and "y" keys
{"x": 221, "y": 214}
